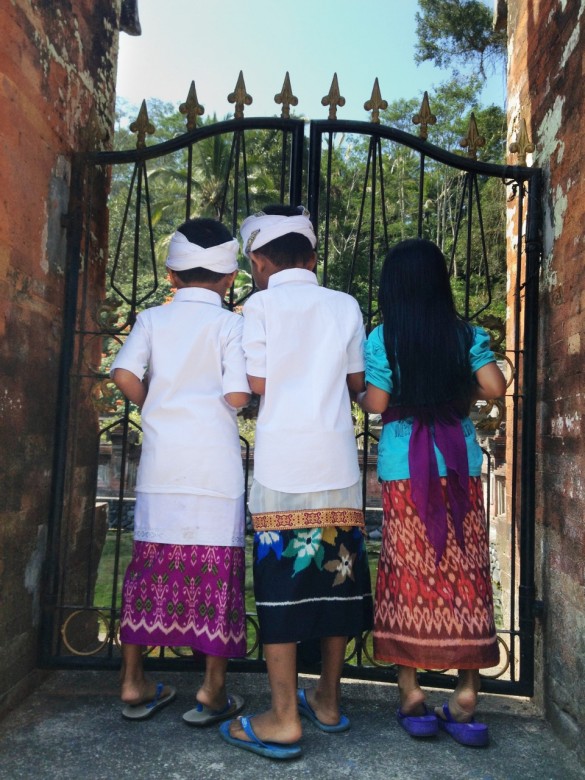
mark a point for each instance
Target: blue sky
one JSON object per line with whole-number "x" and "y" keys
{"x": 210, "y": 41}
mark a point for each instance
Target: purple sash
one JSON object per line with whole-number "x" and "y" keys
{"x": 425, "y": 483}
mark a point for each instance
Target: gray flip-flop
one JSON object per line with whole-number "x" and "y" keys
{"x": 201, "y": 715}
{"x": 146, "y": 709}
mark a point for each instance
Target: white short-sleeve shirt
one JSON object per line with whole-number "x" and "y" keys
{"x": 190, "y": 349}
{"x": 304, "y": 339}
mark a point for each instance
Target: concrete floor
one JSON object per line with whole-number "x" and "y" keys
{"x": 70, "y": 728}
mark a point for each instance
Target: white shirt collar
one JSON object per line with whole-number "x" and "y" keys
{"x": 197, "y": 295}
{"x": 293, "y": 275}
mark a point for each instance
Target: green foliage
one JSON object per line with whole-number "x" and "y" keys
{"x": 450, "y": 199}
{"x": 451, "y": 31}
{"x": 351, "y": 254}
{"x": 247, "y": 429}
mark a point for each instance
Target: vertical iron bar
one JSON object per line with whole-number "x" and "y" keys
{"x": 116, "y": 262}
{"x": 458, "y": 223}
{"x": 314, "y": 174}
{"x": 121, "y": 493}
{"x": 421, "y": 184}
{"x": 51, "y": 563}
{"x": 283, "y": 158}
{"x": 470, "y": 179}
{"x": 150, "y": 240}
{"x": 483, "y": 247}
{"x": 141, "y": 173}
{"x": 296, "y": 165}
{"x": 80, "y": 358}
{"x": 240, "y": 136}
{"x": 238, "y": 146}
{"x": 527, "y": 507}
{"x": 361, "y": 214}
{"x": 376, "y": 153}
{"x": 246, "y": 469}
{"x": 517, "y": 453}
{"x": 227, "y": 176}
{"x": 189, "y": 181}
{"x": 376, "y": 148}
{"x": 383, "y": 195}
{"x": 327, "y": 212}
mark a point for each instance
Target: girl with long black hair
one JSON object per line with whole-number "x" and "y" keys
{"x": 425, "y": 366}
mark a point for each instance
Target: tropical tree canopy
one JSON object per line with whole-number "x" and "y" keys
{"x": 462, "y": 31}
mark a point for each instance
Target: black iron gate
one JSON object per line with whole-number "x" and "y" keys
{"x": 366, "y": 186}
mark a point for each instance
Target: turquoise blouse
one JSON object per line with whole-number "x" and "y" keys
{"x": 395, "y": 438}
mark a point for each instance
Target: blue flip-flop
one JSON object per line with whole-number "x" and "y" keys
{"x": 307, "y": 711}
{"x": 274, "y": 750}
{"x": 146, "y": 709}
{"x": 470, "y": 734}
{"x": 426, "y": 725}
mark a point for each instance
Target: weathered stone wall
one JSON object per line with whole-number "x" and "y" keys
{"x": 546, "y": 87}
{"x": 57, "y": 69}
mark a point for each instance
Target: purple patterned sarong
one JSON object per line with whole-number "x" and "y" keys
{"x": 179, "y": 595}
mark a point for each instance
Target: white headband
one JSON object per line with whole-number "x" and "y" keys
{"x": 259, "y": 229}
{"x": 183, "y": 255}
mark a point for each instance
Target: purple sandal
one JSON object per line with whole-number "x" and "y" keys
{"x": 426, "y": 725}
{"x": 470, "y": 734}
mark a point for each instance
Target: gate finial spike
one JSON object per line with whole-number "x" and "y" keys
{"x": 333, "y": 99}
{"x": 286, "y": 98}
{"x": 522, "y": 145}
{"x": 425, "y": 117}
{"x": 240, "y": 97}
{"x": 473, "y": 140}
{"x": 375, "y": 103}
{"x": 141, "y": 126}
{"x": 191, "y": 108}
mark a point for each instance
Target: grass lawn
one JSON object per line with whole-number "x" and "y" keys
{"x": 105, "y": 578}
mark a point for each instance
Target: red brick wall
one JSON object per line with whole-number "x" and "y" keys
{"x": 546, "y": 87}
{"x": 57, "y": 67}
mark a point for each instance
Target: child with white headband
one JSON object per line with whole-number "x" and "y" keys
{"x": 183, "y": 364}
{"x": 304, "y": 356}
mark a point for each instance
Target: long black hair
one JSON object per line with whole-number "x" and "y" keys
{"x": 427, "y": 342}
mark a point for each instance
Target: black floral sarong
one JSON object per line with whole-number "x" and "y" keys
{"x": 311, "y": 583}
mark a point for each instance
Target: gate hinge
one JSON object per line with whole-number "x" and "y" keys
{"x": 538, "y": 609}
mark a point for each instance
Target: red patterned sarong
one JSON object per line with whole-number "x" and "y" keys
{"x": 180, "y": 595}
{"x": 433, "y": 616}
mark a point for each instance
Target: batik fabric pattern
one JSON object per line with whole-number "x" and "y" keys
{"x": 185, "y": 596}
{"x": 429, "y": 615}
{"x": 311, "y": 583}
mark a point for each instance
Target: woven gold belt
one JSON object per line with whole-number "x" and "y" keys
{"x": 289, "y": 520}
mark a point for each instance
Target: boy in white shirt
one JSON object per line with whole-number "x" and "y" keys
{"x": 304, "y": 356}
{"x": 183, "y": 364}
